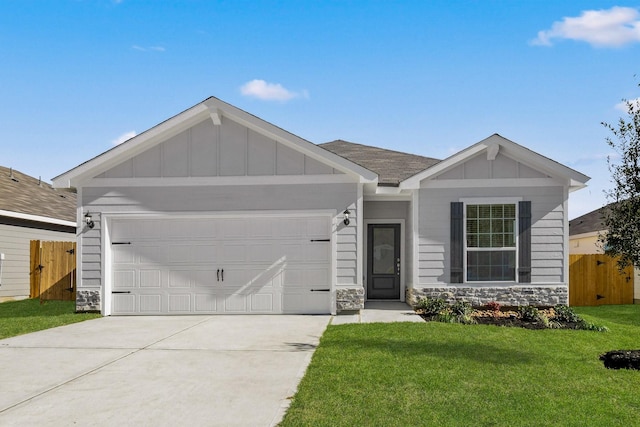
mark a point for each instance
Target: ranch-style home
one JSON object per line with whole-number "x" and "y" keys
{"x": 217, "y": 211}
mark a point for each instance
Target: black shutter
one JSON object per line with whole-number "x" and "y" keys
{"x": 457, "y": 241}
{"x": 524, "y": 242}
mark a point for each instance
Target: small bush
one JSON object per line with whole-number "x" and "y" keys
{"x": 529, "y": 313}
{"x": 588, "y": 326}
{"x": 432, "y": 306}
{"x": 462, "y": 308}
{"x": 564, "y": 313}
{"x": 494, "y": 306}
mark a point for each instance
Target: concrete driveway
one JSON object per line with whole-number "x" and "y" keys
{"x": 152, "y": 371}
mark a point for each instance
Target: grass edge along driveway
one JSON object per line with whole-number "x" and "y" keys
{"x": 400, "y": 374}
{"x": 25, "y": 316}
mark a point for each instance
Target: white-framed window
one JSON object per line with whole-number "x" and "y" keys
{"x": 490, "y": 241}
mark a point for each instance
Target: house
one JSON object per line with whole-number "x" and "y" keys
{"x": 29, "y": 210}
{"x": 217, "y": 211}
{"x": 583, "y": 239}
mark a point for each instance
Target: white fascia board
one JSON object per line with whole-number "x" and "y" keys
{"x": 290, "y": 140}
{"x": 132, "y": 147}
{"x": 495, "y": 182}
{"x": 37, "y": 218}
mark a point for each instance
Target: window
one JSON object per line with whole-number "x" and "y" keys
{"x": 491, "y": 242}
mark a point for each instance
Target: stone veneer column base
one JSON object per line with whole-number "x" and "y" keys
{"x": 87, "y": 301}
{"x": 349, "y": 299}
{"x": 509, "y": 296}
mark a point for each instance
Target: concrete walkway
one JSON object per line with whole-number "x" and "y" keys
{"x": 379, "y": 311}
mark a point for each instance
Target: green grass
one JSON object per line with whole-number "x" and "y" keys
{"x": 437, "y": 374}
{"x": 22, "y": 317}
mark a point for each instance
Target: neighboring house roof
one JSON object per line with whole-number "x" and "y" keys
{"x": 391, "y": 166}
{"x": 589, "y": 222}
{"x": 28, "y": 198}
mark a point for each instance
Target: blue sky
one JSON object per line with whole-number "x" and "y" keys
{"x": 426, "y": 77}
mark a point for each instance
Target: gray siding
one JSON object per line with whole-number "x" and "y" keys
{"x": 14, "y": 244}
{"x": 547, "y": 232}
{"x": 206, "y": 150}
{"x": 210, "y": 199}
{"x": 479, "y": 168}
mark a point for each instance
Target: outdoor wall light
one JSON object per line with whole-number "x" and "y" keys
{"x": 346, "y": 214}
{"x": 88, "y": 220}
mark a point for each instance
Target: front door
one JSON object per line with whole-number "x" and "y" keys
{"x": 383, "y": 261}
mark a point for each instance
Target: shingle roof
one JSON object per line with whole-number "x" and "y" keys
{"x": 391, "y": 166}
{"x": 24, "y": 194}
{"x": 589, "y": 222}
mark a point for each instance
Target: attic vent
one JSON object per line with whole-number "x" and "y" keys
{"x": 13, "y": 178}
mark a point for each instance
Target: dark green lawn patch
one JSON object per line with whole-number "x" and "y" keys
{"x": 443, "y": 374}
{"x": 23, "y": 317}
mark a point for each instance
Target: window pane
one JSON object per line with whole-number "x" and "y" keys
{"x": 510, "y": 211}
{"x": 383, "y": 250}
{"x": 491, "y": 265}
{"x": 484, "y": 211}
{"x": 472, "y": 211}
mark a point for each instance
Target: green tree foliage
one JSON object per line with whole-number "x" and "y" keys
{"x": 622, "y": 218}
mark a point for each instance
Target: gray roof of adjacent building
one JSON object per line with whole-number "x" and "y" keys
{"x": 391, "y": 166}
{"x": 589, "y": 222}
{"x": 24, "y": 194}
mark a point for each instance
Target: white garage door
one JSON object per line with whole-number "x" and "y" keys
{"x": 221, "y": 265}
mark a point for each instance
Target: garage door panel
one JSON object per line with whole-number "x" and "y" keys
{"x": 123, "y": 279}
{"x": 239, "y": 265}
{"x": 205, "y": 303}
{"x": 179, "y": 303}
{"x": 150, "y": 279}
{"x": 151, "y": 303}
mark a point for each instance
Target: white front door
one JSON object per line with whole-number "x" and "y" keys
{"x": 266, "y": 264}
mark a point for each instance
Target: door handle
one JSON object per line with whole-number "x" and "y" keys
{"x": 218, "y": 275}
{"x": 222, "y": 274}
{"x": 398, "y": 266}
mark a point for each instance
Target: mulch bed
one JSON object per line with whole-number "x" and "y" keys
{"x": 510, "y": 318}
{"x": 621, "y": 359}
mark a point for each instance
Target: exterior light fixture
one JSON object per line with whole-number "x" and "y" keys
{"x": 88, "y": 220}
{"x": 346, "y": 214}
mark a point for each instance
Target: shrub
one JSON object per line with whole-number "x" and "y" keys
{"x": 564, "y": 313}
{"x": 529, "y": 313}
{"x": 432, "y": 306}
{"x": 588, "y": 326}
{"x": 462, "y": 308}
{"x": 493, "y": 306}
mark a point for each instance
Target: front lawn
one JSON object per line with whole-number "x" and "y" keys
{"x": 441, "y": 374}
{"x": 22, "y": 317}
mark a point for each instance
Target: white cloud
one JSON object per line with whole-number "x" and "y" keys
{"x": 624, "y": 107}
{"x": 601, "y": 28}
{"x": 270, "y": 91}
{"x": 124, "y": 137}
{"x": 147, "y": 49}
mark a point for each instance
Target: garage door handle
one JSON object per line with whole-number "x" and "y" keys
{"x": 120, "y": 292}
{"x": 222, "y": 274}
{"x": 320, "y": 290}
{"x": 320, "y": 240}
{"x": 120, "y": 243}
{"x": 218, "y": 275}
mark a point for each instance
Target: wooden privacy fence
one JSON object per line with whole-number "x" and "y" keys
{"x": 53, "y": 270}
{"x": 594, "y": 279}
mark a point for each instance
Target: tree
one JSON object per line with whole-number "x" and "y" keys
{"x": 622, "y": 218}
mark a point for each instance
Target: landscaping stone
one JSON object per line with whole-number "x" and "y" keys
{"x": 349, "y": 299}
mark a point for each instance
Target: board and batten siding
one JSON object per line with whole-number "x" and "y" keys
{"x": 238, "y": 199}
{"x": 14, "y": 244}
{"x": 205, "y": 150}
{"x": 547, "y": 231}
